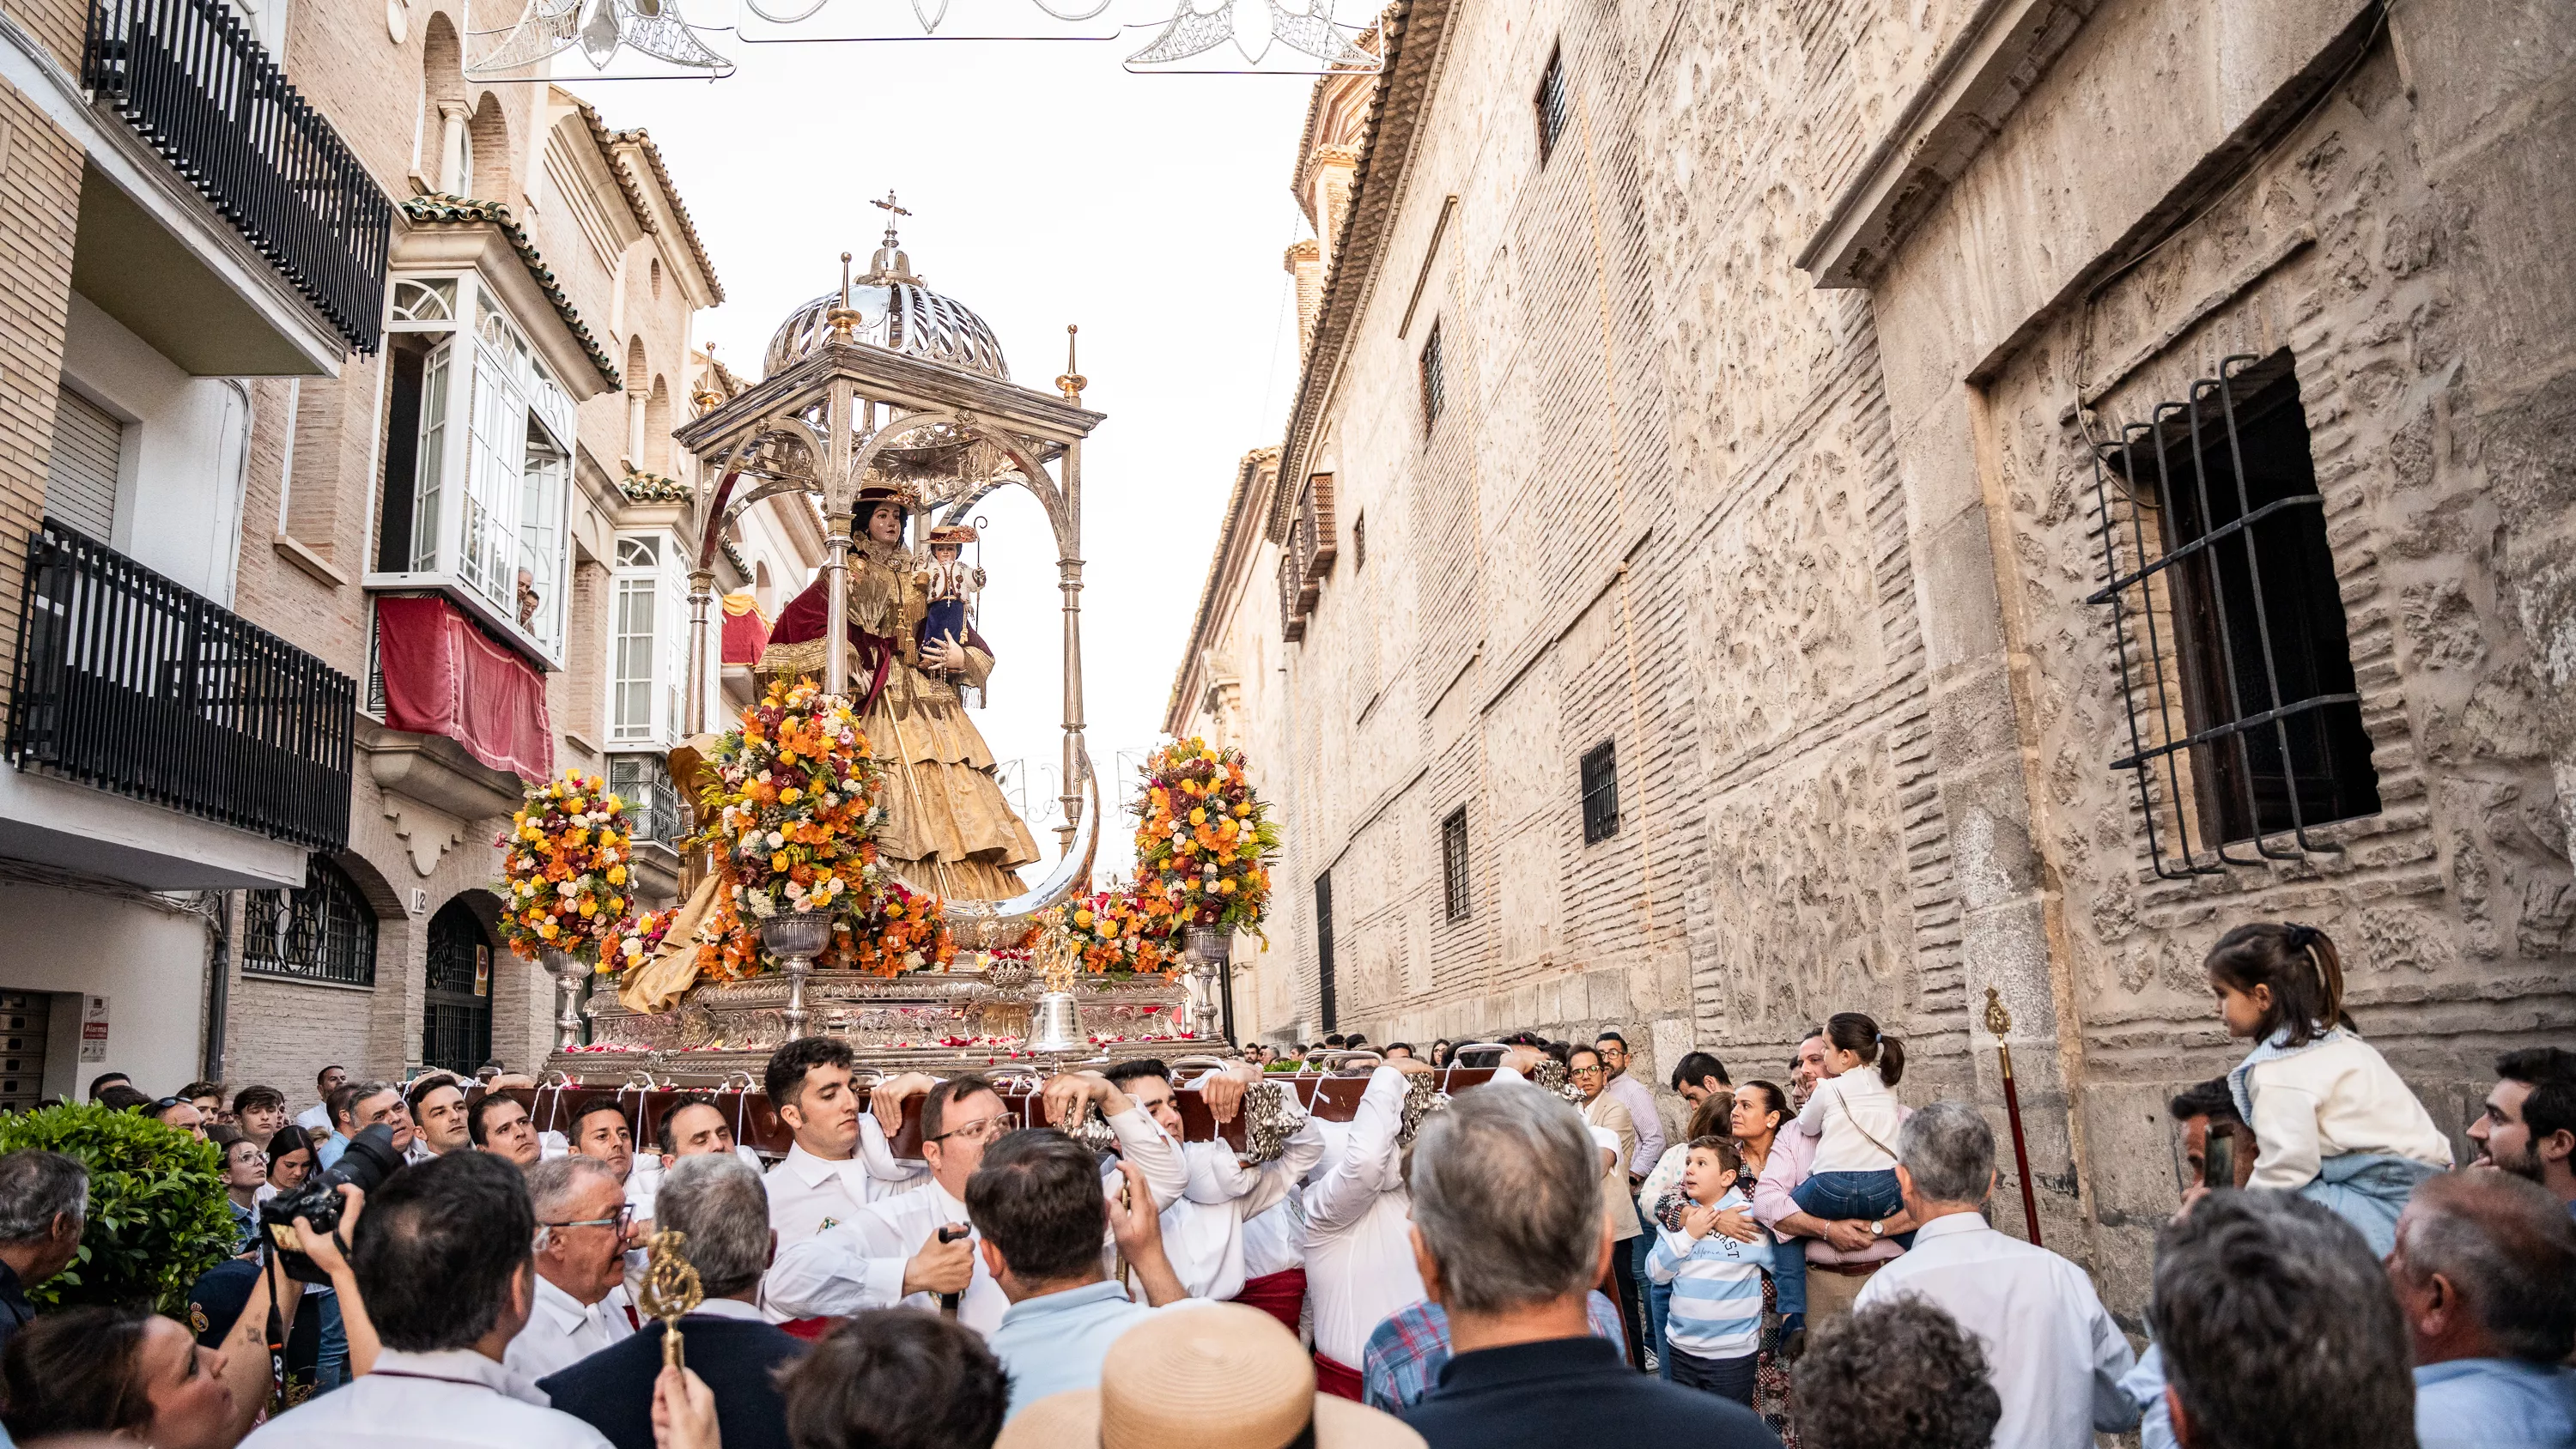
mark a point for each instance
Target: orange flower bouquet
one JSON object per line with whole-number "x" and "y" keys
{"x": 1204, "y": 841}
{"x": 792, "y": 811}
{"x": 564, "y": 869}
{"x": 1118, "y": 936}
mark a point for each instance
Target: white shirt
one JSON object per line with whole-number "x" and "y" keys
{"x": 562, "y": 1332}
{"x": 1204, "y": 1232}
{"x": 1856, "y": 1118}
{"x": 1359, "y": 1243}
{"x": 1275, "y": 1241}
{"x": 316, "y": 1118}
{"x": 808, "y": 1193}
{"x": 858, "y": 1264}
{"x": 2056, "y": 1356}
{"x": 455, "y": 1399}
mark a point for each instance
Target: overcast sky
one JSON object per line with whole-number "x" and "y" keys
{"x": 1047, "y": 186}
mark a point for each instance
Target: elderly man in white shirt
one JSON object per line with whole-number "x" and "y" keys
{"x": 442, "y": 1260}
{"x": 2057, "y": 1358}
{"x": 893, "y": 1251}
{"x": 583, "y": 1223}
{"x": 1204, "y": 1233}
{"x": 841, "y": 1160}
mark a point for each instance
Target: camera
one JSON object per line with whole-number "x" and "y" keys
{"x": 369, "y": 1160}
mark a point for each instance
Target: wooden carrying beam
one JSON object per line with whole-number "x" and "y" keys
{"x": 1333, "y": 1098}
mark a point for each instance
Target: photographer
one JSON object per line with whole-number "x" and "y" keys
{"x": 443, "y": 1257}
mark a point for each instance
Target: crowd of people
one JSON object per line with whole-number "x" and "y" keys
{"x": 1809, "y": 1262}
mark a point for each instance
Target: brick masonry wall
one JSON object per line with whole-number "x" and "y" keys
{"x": 1862, "y": 711}
{"x": 40, "y": 171}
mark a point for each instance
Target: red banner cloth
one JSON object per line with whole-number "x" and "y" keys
{"x": 443, "y": 677}
{"x": 745, "y": 632}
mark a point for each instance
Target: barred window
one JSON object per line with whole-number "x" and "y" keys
{"x": 2236, "y": 670}
{"x": 324, "y": 931}
{"x": 456, "y": 999}
{"x": 1324, "y": 1006}
{"x": 1432, "y": 381}
{"x": 1600, "y": 793}
{"x": 1453, "y": 863}
{"x": 1550, "y": 103}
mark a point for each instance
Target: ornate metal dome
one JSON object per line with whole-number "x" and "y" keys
{"x": 896, "y": 312}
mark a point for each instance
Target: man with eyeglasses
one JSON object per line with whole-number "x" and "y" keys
{"x": 583, "y": 1226}
{"x": 1601, "y": 1109}
{"x": 894, "y": 1252}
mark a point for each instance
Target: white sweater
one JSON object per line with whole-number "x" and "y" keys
{"x": 2333, "y": 1098}
{"x": 1846, "y": 1112}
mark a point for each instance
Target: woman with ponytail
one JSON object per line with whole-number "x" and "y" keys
{"x": 2332, "y": 1121}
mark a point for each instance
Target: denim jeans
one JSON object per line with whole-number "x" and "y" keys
{"x": 1657, "y": 1295}
{"x": 1789, "y": 1274}
{"x": 1863, "y": 1195}
{"x": 1729, "y": 1378}
{"x": 332, "y": 1369}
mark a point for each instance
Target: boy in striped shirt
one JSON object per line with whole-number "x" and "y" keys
{"x": 1714, "y": 1327}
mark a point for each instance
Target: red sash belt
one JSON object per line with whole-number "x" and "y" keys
{"x": 1282, "y": 1295}
{"x": 1339, "y": 1380}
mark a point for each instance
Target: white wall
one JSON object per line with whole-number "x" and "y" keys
{"x": 179, "y": 494}
{"x": 150, "y": 964}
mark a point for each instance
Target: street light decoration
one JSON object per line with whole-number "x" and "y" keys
{"x": 547, "y": 28}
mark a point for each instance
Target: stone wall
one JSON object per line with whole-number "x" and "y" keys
{"x": 1817, "y": 558}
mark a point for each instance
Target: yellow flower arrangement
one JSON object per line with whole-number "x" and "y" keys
{"x": 1203, "y": 842}
{"x": 563, "y": 868}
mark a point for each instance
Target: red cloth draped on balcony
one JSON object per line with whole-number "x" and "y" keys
{"x": 746, "y": 633}
{"x": 443, "y": 677}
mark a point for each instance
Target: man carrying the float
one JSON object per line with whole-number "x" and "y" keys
{"x": 1213, "y": 1233}
{"x": 894, "y": 1251}
{"x": 842, "y": 1159}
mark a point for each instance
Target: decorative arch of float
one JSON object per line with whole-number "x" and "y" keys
{"x": 848, "y": 416}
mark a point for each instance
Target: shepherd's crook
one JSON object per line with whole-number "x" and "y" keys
{"x": 1999, "y": 1021}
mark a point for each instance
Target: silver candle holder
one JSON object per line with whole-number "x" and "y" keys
{"x": 572, "y": 978}
{"x": 1207, "y": 949}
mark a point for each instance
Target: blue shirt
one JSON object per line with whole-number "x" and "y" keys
{"x": 1716, "y": 1309}
{"x": 1058, "y": 1341}
{"x": 328, "y": 1150}
{"x": 2494, "y": 1403}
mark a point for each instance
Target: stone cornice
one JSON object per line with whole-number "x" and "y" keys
{"x": 1996, "y": 59}
{"x": 1413, "y": 31}
{"x": 1236, "y": 542}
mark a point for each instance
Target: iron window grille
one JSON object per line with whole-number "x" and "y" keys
{"x": 2235, "y": 664}
{"x": 1324, "y": 1004}
{"x": 198, "y": 87}
{"x": 1550, "y": 104}
{"x": 128, "y": 682}
{"x": 456, "y": 1007}
{"x": 1600, "y": 793}
{"x": 1433, "y": 384}
{"x": 1453, "y": 863}
{"x": 322, "y": 931}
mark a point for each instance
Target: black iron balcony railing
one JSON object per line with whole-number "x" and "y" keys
{"x": 130, "y": 683}
{"x": 194, "y": 83}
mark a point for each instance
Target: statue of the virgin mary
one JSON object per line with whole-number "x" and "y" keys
{"x": 948, "y": 830}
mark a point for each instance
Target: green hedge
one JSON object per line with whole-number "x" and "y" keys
{"x": 157, "y": 1211}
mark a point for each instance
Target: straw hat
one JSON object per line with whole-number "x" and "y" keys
{"x": 1206, "y": 1376}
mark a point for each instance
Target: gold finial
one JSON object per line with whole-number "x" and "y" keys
{"x": 1073, "y": 382}
{"x": 1998, "y": 1020}
{"x": 670, "y": 1291}
{"x": 841, "y": 319}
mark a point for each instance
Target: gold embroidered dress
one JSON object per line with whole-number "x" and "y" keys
{"x": 948, "y": 830}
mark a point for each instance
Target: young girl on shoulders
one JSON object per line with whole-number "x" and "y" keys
{"x": 2332, "y": 1121}
{"x": 1854, "y": 1118}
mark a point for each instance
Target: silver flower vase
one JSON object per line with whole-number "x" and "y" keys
{"x": 572, "y": 983}
{"x": 795, "y": 938}
{"x": 1207, "y": 949}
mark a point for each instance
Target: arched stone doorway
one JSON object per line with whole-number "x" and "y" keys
{"x": 456, "y": 1011}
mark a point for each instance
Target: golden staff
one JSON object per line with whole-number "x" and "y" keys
{"x": 1999, "y": 1021}
{"x": 670, "y": 1291}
